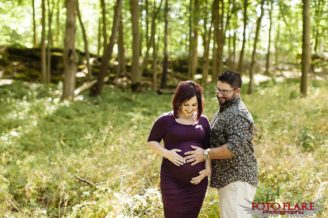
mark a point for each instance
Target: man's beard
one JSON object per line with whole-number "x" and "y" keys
{"x": 223, "y": 100}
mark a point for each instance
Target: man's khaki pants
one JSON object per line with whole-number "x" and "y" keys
{"x": 233, "y": 199}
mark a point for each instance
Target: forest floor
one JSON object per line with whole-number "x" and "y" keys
{"x": 89, "y": 158}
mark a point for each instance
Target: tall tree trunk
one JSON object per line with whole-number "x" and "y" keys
{"x": 108, "y": 51}
{"x": 218, "y": 10}
{"x": 241, "y": 56}
{"x": 146, "y": 56}
{"x": 50, "y": 41}
{"x": 69, "y": 51}
{"x": 43, "y": 43}
{"x": 194, "y": 41}
{"x": 121, "y": 48}
{"x": 35, "y": 44}
{"x": 276, "y": 45}
{"x": 267, "y": 64}
{"x": 190, "y": 38}
{"x": 136, "y": 74}
{"x": 153, "y": 42}
{"x": 306, "y": 47}
{"x": 206, "y": 42}
{"x": 85, "y": 40}
{"x": 317, "y": 19}
{"x": 58, "y": 39}
{"x": 104, "y": 22}
{"x": 257, "y": 33}
{"x": 233, "y": 66}
{"x": 99, "y": 37}
{"x": 165, "y": 61}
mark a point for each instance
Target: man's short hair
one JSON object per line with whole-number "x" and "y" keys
{"x": 231, "y": 77}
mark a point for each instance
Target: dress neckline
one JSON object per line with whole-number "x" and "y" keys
{"x": 182, "y": 123}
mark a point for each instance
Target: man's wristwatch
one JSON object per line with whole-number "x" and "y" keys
{"x": 206, "y": 153}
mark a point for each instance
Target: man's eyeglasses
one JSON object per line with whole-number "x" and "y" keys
{"x": 224, "y": 92}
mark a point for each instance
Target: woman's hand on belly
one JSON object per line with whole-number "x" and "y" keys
{"x": 202, "y": 175}
{"x": 174, "y": 157}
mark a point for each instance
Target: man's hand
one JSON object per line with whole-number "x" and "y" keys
{"x": 202, "y": 174}
{"x": 196, "y": 156}
{"x": 174, "y": 157}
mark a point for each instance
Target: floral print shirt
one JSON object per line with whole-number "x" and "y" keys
{"x": 232, "y": 125}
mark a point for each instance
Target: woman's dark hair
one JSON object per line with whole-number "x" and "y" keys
{"x": 185, "y": 91}
{"x": 231, "y": 77}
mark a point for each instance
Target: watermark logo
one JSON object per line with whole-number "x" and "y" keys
{"x": 271, "y": 207}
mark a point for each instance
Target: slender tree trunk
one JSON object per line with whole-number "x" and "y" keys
{"x": 267, "y": 64}
{"x": 146, "y": 56}
{"x": 190, "y": 38}
{"x": 221, "y": 37}
{"x": 306, "y": 47}
{"x": 194, "y": 41}
{"x": 85, "y": 40}
{"x": 233, "y": 66}
{"x": 277, "y": 45}
{"x": 218, "y": 10}
{"x": 241, "y": 56}
{"x": 207, "y": 41}
{"x": 58, "y": 39}
{"x": 136, "y": 74}
{"x": 35, "y": 44}
{"x": 99, "y": 37}
{"x": 50, "y": 41}
{"x": 69, "y": 51}
{"x": 104, "y": 23}
{"x": 165, "y": 61}
{"x": 121, "y": 48}
{"x": 153, "y": 42}
{"x": 108, "y": 51}
{"x": 43, "y": 44}
{"x": 317, "y": 19}
{"x": 257, "y": 33}
{"x": 215, "y": 39}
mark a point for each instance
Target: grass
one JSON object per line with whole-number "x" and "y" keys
{"x": 89, "y": 158}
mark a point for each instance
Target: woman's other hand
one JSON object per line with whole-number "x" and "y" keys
{"x": 202, "y": 174}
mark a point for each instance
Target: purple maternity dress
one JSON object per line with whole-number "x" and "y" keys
{"x": 180, "y": 197}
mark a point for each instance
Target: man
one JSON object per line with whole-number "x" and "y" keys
{"x": 234, "y": 166}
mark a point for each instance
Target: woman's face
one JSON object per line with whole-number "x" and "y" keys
{"x": 188, "y": 108}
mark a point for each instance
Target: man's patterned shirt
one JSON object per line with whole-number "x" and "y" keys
{"x": 232, "y": 125}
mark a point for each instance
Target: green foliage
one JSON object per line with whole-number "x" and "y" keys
{"x": 89, "y": 158}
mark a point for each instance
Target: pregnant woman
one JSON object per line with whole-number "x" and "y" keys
{"x": 183, "y": 185}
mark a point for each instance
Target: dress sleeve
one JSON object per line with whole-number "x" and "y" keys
{"x": 157, "y": 132}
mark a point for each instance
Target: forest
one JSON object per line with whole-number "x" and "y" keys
{"x": 82, "y": 81}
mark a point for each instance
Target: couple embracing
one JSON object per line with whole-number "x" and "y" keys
{"x": 195, "y": 149}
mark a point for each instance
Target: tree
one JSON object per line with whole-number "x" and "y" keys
{"x": 121, "y": 48}
{"x": 241, "y": 56}
{"x": 43, "y": 43}
{"x": 108, "y": 51}
{"x": 153, "y": 41}
{"x": 267, "y": 64}
{"x": 69, "y": 51}
{"x": 166, "y": 56}
{"x": 257, "y": 33}
{"x": 34, "y": 25}
{"x": 104, "y": 22}
{"x": 193, "y": 57}
{"x": 306, "y": 47}
{"x": 85, "y": 40}
{"x": 206, "y": 42}
{"x": 49, "y": 40}
{"x": 136, "y": 74}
